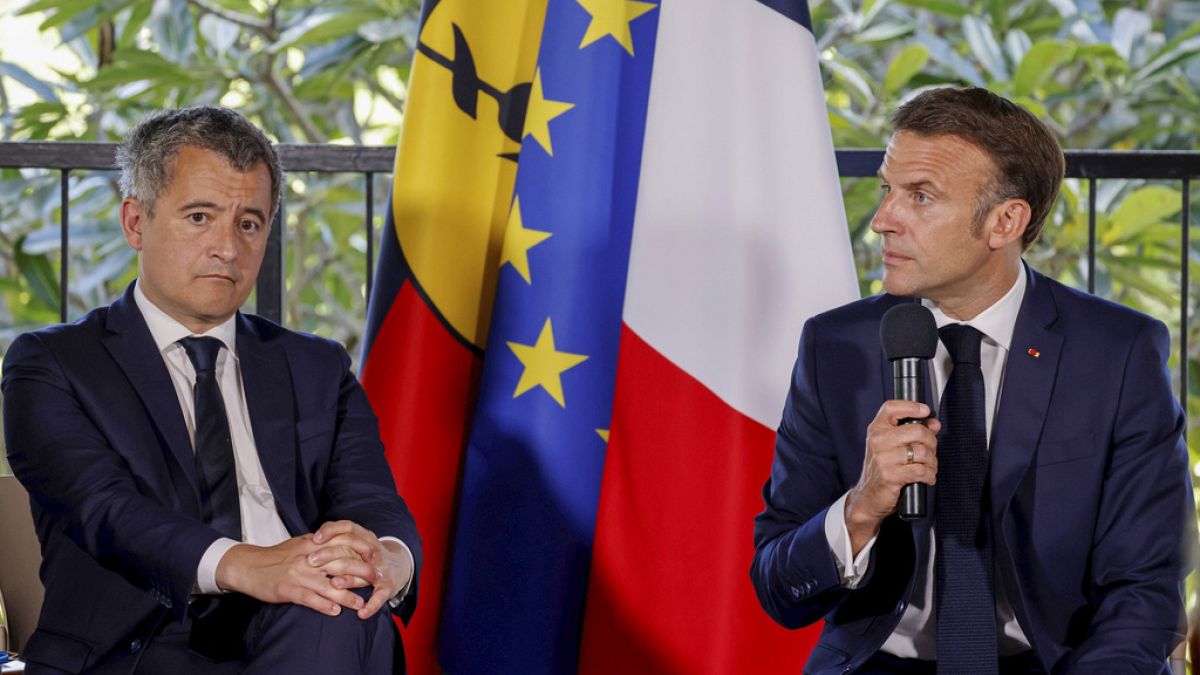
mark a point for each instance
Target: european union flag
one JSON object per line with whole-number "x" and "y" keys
{"x": 531, "y": 480}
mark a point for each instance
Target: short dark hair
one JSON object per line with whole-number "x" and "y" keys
{"x": 147, "y": 155}
{"x": 1028, "y": 159}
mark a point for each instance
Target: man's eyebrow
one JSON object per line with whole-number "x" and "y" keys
{"x": 213, "y": 206}
{"x": 257, "y": 212}
{"x": 200, "y": 205}
{"x": 922, "y": 184}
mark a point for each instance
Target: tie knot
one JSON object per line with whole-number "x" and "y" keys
{"x": 962, "y": 341}
{"x": 202, "y": 351}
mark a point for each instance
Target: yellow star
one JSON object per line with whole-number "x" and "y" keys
{"x": 602, "y": 433}
{"x": 517, "y": 242}
{"x": 612, "y": 17}
{"x": 544, "y": 365}
{"x": 539, "y": 113}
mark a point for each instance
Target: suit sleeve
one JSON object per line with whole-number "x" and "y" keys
{"x": 1146, "y": 527}
{"x": 71, "y": 471}
{"x": 359, "y": 485}
{"x": 794, "y": 572}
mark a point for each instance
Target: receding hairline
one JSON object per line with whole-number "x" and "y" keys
{"x": 147, "y": 155}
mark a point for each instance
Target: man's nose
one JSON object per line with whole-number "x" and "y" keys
{"x": 884, "y": 220}
{"x": 223, "y": 240}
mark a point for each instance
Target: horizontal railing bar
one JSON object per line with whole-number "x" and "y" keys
{"x": 102, "y": 156}
{"x": 1149, "y": 164}
{"x": 852, "y": 163}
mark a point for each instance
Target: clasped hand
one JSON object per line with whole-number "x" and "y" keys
{"x": 320, "y": 570}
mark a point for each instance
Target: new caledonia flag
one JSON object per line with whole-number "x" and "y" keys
{"x": 609, "y": 221}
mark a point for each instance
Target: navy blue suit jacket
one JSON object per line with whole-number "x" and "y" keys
{"x": 1090, "y": 493}
{"x": 95, "y": 433}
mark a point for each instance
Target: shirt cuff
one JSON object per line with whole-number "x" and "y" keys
{"x": 851, "y": 569}
{"x": 395, "y": 600}
{"x": 206, "y": 574}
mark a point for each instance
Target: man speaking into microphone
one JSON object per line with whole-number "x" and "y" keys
{"x": 1059, "y": 504}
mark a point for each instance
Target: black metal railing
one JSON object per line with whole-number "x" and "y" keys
{"x": 1092, "y": 165}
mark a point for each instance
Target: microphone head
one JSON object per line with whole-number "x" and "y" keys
{"x": 908, "y": 330}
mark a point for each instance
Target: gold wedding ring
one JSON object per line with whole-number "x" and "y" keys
{"x": 909, "y": 460}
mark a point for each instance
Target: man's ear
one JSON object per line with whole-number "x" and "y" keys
{"x": 1011, "y": 218}
{"x": 133, "y": 219}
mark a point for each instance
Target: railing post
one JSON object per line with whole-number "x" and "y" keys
{"x": 370, "y": 235}
{"x": 1091, "y": 256}
{"x": 269, "y": 287}
{"x": 1184, "y": 261}
{"x": 64, "y": 256}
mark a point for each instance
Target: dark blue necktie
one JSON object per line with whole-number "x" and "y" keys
{"x": 215, "y": 467}
{"x": 964, "y": 586}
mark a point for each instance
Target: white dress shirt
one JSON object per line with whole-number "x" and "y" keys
{"x": 915, "y": 636}
{"x": 261, "y": 524}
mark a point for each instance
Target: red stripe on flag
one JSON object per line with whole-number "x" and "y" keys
{"x": 422, "y": 384}
{"x": 670, "y": 588}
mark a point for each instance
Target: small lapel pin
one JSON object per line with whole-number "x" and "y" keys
{"x": 1033, "y": 352}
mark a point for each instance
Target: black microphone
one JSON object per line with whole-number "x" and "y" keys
{"x": 909, "y": 336}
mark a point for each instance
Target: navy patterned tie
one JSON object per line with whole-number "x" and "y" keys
{"x": 215, "y": 467}
{"x": 964, "y": 586}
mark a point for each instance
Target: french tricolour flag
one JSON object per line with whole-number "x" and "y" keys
{"x": 624, "y": 269}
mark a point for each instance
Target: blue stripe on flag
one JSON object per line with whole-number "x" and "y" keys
{"x": 796, "y": 10}
{"x": 531, "y": 482}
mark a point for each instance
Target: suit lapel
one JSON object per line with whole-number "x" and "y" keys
{"x": 266, "y": 379}
{"x": 129, "y": 342}
{"x": 1028, "y": 382}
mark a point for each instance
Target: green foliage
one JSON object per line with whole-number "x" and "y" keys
{"x": 304, "y": 71}
{"x": 1101, "y": 73}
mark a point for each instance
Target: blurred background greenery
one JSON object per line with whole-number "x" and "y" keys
{"x": 1103, "y": 74}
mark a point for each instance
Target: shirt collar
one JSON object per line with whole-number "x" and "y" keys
{"x": 166, "y": 331}
{"x": 997, "y": 321}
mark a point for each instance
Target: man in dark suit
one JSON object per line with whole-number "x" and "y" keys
{"x": 209, "y": 488}
{"x": 1066, "y": 555}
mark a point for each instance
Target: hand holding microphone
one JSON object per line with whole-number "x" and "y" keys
{"x": 909, "y": 336}
{"x": 901, "y": 442}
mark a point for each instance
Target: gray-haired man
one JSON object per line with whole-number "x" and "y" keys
{"x": 207, "y": 486}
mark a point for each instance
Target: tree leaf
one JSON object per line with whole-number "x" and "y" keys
{"x": 871, "y": 9}
{"x": 907, "y": 63}
{"x": 172, "y": 24}
{"x": 1040, "y": 63}
{"x": 943, "y": 7}
{"x": 944, "y": 53}
{"x": 852, "y": 79}
{"x": 219, "y": 33}
{"x": 1128, "y": 25}
{"x": 883, "y": 32}
{"x": 389, "y": 30}
{"x": 1130, "y": 276}
{"x": 127, "y": 30}
{"x": 43, "y": 90}
{"x": 1141, "y": 209}
{"x": 1017, "y": 44}
{"x": 1171, "y": 54}
{"x": 983, "y": 44}
{"x": 326, "y": 26}
{"x": 136, "y": 66}
{"x": 39, "y": 275}
{"x": 109, "y": 267}
{"x": 58, "y": 11}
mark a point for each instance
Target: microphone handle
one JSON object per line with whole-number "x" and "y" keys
{"x": 908, "y": 375}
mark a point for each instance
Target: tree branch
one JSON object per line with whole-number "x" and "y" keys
{"x": 253, "y": 23}
{"x": 291, "y": 103}
{"x": 388, "y": 96}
